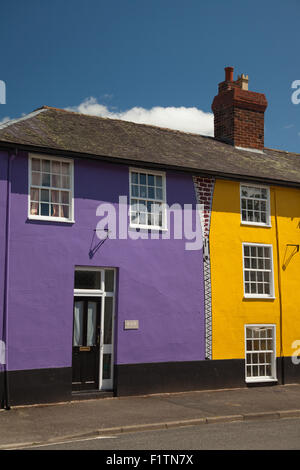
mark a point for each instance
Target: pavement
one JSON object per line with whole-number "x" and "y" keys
{"x": 23, "y": 426}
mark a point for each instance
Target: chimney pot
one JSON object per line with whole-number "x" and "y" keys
{"x": 242, "y": 81}
{"x": 229, "y": 74}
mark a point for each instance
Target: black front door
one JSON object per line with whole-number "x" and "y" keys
{"x": 86, "y": 343}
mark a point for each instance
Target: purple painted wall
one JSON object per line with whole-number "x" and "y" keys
{"x": 3, "y": 198}
{"x": 159, "y": 282}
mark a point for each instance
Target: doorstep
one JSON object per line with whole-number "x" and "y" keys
{"x": 91, "y": 395}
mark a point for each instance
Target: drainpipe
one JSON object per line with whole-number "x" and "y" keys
{"x": 279, "y": 290}
{"x": 6, "y": 279}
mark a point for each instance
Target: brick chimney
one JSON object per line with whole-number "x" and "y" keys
{"x": 239, "y": 113}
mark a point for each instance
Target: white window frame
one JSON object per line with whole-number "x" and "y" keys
{"x": 44, "y": 217}
{"x": 163, "y": 227}
{"x": 91, "y": 292}
{"x": 272, "y": 285}
{"x": 268, "y": 206}
{"x": 261, "y": 378}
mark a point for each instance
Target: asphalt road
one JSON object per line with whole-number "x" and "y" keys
{"x": 277, "y": 434}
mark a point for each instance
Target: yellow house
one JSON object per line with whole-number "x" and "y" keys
{"x": 255, "y": 271}
{"x": 252, "y": 239}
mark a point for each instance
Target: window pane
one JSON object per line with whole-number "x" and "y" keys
{"x": 55, "y": 210}
{"x": 135, "y": 191}
{"x": 45, "y": 179}
{"x": 143, "y": 191}
{"x": 65, "y": 168}
{"x": 142, "y": 206}
{"x": 55, "y": 196}
{"x": 56, "y": 167}
{"x": 246, "y": 250}
{"x": 64, "y": 197}
{"x": 106, "y": 365}
{"x": 109, "y": 280}
{"x": 56, "y": 181}
{"x": 65, "y": 212}
{"x": 143, "y": 179}
{"x": 35, "y": 164}
{"x": 253, "y": 263}
{"x": 36, "y": 179}
{"x": 78, "y": 324}
{"x": 87, "y": 279}
{"x": 253, "y": 251}
{"x": 151, "y": 181}
{"x": 108, "y": 318}
{"x": 260, "y": 289}
{"x": 260, "y": 251}
{"x": 134, "y": 218}
{"x": 34, "y": 208}
{"x": 91, "y": 324}
{"x": 151, "y": 192}
{"x": 158, "y": 181}
{"x": 253, "y": 288}
{"x": 267, "y": 289}
{"x": 65, "y": 182}
{"x": 45, "y": 195}
{"x": 135, "y": 178}
{"x": 34, "y": 194}
{"x": 143, "y": 218}
{"x": 46, "y": 166}
{"x": 45, "y": 209}
{"x": 159, "y": 194}
{"x": 264, "y": 193}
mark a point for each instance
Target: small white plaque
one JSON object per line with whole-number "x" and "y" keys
{"x": 131, "y": 325}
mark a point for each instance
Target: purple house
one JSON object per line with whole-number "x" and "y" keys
{"x": 101, "y": 270}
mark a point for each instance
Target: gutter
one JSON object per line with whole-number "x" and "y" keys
{"x": 11, "y": 157}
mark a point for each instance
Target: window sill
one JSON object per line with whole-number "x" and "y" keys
{"x": 256, "y": 224}
{"x": 260, "y": 380}
{"x": 259, "y": 297}
{"x": 50, "y": 219}
{"x": 148, "y": 227}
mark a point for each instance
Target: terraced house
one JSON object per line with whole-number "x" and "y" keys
{"x": 136, "y": 259}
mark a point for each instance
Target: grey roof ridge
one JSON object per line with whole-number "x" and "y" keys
{"x": 142, "y": 124}
{"x": 66, "y": 110}
{"x": 23, "y": 118}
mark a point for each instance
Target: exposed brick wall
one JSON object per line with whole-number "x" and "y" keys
{"x": 204, "y": 188}
{"x": 204, "y": 191}
{"x": 248, "y": 129}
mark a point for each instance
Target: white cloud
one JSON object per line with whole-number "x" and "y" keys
{"x": 5, "y": 119}
{"x": 181, "y": 118}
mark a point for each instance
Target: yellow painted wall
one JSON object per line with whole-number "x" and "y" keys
{"x": 230, "y": 310}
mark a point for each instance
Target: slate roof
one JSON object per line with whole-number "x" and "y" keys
{"x": 66, "y": 132}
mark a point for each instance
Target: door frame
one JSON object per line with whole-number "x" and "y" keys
{"x": 103, "y": 384}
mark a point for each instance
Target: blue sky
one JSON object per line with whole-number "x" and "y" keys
{"x": 153, "y": 60}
